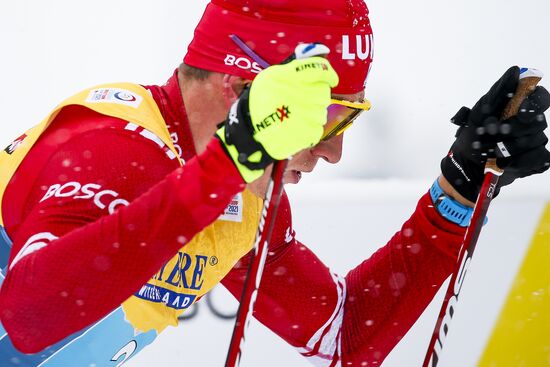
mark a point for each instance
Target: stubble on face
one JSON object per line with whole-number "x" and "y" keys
{"x": 302, "y": 162}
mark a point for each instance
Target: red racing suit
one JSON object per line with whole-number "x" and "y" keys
{"x": 76, "y": 256}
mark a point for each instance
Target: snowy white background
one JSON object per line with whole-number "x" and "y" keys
{"x": 431, "y": 57}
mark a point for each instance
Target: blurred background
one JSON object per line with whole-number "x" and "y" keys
{"x": 431, "y": 57}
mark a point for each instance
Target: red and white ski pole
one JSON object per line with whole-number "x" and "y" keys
{"x": 529, "y": 78}
{"x": 267, "y": 222}
{"x": 257, "y": 262}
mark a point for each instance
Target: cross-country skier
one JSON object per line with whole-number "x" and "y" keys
{"x": 128, "y": 203}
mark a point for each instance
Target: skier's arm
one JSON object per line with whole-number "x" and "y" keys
{"x": 72, "y": 263}
{"x": 362, "y": 317}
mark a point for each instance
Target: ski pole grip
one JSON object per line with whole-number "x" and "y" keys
{"x": 528, "y": 80}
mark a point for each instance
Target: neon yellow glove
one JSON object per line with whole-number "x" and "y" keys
{"x": 282, "y": 113}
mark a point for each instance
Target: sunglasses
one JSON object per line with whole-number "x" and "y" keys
{"x": 340, "y": 114}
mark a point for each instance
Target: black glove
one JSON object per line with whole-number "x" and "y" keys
{"x": 518, "y": 143}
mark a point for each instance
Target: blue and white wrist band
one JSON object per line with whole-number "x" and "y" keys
{"x": 449, "y": 208}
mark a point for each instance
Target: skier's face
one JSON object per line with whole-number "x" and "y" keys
{"x": 329, "y": 150}
{"x": 305, "y": 161}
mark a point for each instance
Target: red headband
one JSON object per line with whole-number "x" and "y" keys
{"x": 273, "y": 31}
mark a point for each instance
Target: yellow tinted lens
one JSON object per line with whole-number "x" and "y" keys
{"x": 360, "y": 105}
{"x": 339, "y": 118}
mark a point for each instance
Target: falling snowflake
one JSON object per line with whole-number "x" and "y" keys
{"x": 397, "y": 280}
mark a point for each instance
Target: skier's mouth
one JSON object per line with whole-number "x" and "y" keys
{"x": 292, "y": 176}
